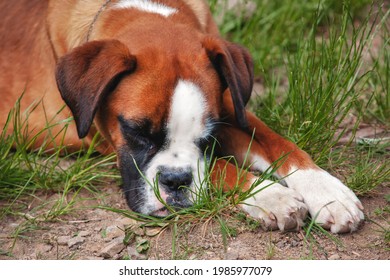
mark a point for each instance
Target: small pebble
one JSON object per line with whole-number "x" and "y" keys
{"x": 113, "y": 248}
{"x": 75, "y": 241}
{"x": 113, "y": 232}
{"x": 334, "y": 257}
{"x": 84, "y": 233}
{"x": 63, "y": 240}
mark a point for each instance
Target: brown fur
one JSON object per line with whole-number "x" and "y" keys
{"x": 55, "y": 33}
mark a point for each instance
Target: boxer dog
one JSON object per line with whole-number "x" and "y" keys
{"x": 157, "y": 81}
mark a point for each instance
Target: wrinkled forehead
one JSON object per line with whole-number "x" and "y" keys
{"x": 182, "y": 110}
{"x": 187, "y": 114}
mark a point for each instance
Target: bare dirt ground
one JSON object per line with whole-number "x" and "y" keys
{"x": 99, "y": 234}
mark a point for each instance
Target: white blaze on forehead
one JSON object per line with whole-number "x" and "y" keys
{"x": 186, "y": 120}
{"x": 146, "y": 6}
{"x": 186, "y": 124}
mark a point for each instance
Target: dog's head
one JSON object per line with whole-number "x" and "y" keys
{"x": 158, "y": 106}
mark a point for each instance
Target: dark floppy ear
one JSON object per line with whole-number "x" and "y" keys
{"x": 234, "y": 65}
{"x": 87, "y": 74}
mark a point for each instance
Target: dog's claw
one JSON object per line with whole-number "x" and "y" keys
{"x": 278, "y": 207}
{"x": 272, "y": 216}
{"x": 269, "y": 224}
{"x": 303, "y": 211}
{"x": 291, "y": 222}
{"x": 360, "y": 206}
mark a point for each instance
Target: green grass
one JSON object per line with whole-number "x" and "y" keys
{"x": 321, "y": 64}
{"x": 333, "y": 72}
{"x": 27, "y": 173}
{"x": 276, "y": 27}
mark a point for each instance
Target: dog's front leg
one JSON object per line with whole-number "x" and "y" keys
{"x": 333, "y": 205}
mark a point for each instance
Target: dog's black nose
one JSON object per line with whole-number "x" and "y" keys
{"x": 175, "y": 178}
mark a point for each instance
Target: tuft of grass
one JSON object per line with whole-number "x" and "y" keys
{"x": 329, "y": 80}
{"x": 369, "y": 169}
{"x": 27, "y": 172}
{"x": 270, "y": 248}
{"x": 324, "y": 78}
{"x": 271, "y": 28}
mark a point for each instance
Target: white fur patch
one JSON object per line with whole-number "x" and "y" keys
{"x": 330, "y": 202}
{"x": 258, "y": 163}
{"x": 186, "y": 121}
{"x": 186, "y": 124}
{"x": 276, "y": 206}
{"x": 146, "y": 6}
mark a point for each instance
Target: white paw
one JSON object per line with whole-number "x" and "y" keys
{"x": 333, "y": 205}
{"x": 277, "y": 206}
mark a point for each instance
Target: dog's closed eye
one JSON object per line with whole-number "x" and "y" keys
{"x": 138, "y": 135}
